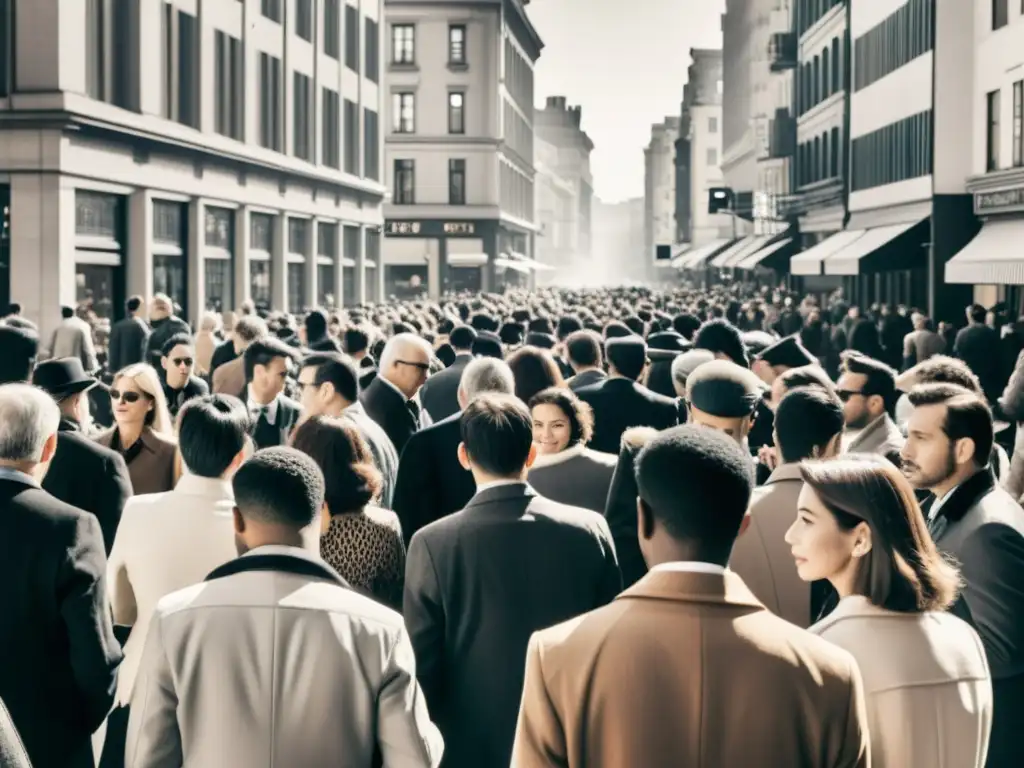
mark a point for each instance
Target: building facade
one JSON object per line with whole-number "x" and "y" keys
{"x": 744, "y": 75}
{"x": 618, "y": 255}
{"x": 660, "y": 190}
{"x": 558, "y": 215}
{"x": 216, "y": 152}
{"x": 459, "y": 153}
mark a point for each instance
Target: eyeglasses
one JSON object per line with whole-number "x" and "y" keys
{"x": 846, "y": 394}
{"x": 425, "y": 367}
{"x": 183, "y": 361}
{"x": 128, "y": 397}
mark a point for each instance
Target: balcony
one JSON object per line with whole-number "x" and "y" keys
{"x": 782, "y": 51}
{"x": 781, "y": 135}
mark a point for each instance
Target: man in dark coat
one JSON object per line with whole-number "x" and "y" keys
{"x": 404, "y": 366}
{"x": 165, "y": 325}
{"x": 267, "y": 363}
{"x": 978, "y": 345}
{"x": 440, "y": 394}
{"x": 128, "y": 337}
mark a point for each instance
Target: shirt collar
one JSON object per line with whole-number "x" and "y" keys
{"x": 497, "y": 484}
{"x": 10, "y": 473}
{"x": 691, "y": 566}
{"x": 255, "y": 407}
{"x": 933, "y": 511}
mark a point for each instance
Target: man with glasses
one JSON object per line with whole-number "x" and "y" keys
{"x": 867, "y": 388}
{"x": 178, "y": 359}
{"x": 389, "y": 400}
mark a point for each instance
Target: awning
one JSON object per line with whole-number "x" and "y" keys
{"x": 740, "y": 248}
{"x": 848, "y": 260}
{"x": 679, "y": 254}
{"x": 695, "y": 258}
{"x": 537, "y": 266}
{"x": 994, "y": 257}
{"x": 809, "y": 262}
{"x": 515, "y": 266}
{"x": 467, "y": 259}
{"x": 751, "y": 261}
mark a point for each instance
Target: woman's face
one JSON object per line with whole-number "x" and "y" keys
{"x": 551, "y": 428}
{"x": 821, "y": 549}
{"x": 129, "y": 402}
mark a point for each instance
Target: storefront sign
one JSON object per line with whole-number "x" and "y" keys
{"x": 459, "y": 228}
{"x": 430, "y": 228}
{"x": 398, "y": 228}
{"x": 1003, "y": 201}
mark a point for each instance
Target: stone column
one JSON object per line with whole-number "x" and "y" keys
{"x": 138, "y": 255}
{"x": 360, "y": 257}
{"x": 240, "y": 250}
{"x": 312, "y": 252}
{"x": 279, "y": 264}
{"x": 195, "y": 266}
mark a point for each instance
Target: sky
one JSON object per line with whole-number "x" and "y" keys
{"x": 624, "y": 62}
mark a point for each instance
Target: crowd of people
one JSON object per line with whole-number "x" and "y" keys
{"x": 618, "y": 527}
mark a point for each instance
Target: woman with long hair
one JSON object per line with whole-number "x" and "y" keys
{"x": 534, "y": 369}
{"x": 143, "y": 432}
{"x": 929, "y": 692}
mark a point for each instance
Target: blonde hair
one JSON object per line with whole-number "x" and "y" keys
{"x": 146, "y": 378}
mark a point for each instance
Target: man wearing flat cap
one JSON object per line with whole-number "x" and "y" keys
{"x": 772, "y": 362}
{"x": 83, "y": 473}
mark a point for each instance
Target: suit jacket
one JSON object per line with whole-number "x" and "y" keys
{"x": 688, "y": 641}
{"x": 385, "y": 457}
{"x": 431, "y": 481}
{"x": 273, "y": 660}
{"x": 223, "y": 353}
{"x": 229, "y": 378}
{"x": 89, "y": 476}
{"x": 56, "y": 639}
{"x": 576, "y": 476}
{"x": 155, "y": 468}
{"x": 127, "y": 345}
{"x": 477, "y": 584}
{"x": 761, "y": 555}
{"x": 620, "y": 509}
{"x": 387, "y": 406}
{"x": 978, "y": 345}
{"x": 619, "y": 404}
{"x": 73, "y": 338}
{"x": 267, "y": 435}
{"x": 586, "y": 378}
{"x": 929, "y": 696}
{"x": 881, "y": 437}
{"x": 12, "y": 750}
{"x": 439, "y": 394}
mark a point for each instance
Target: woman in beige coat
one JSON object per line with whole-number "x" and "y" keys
{"x": 929, "y": 692}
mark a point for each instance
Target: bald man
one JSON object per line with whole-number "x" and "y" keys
{"x": 404, "y": 367}
{"x": 165, "y": 324}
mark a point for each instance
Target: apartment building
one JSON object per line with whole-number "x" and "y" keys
{"x": 660, "y": 191}
{"x": 459, "y": 145}
{"x": 216, "y": 152}
{"x": 744, "y": 74}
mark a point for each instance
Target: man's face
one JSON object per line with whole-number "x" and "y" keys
{"x": 179, "y": 365}
{"x": 269, "y": 379}
{"x": 312, "y": 401}
{"x": 928, "y": 454}
{"x": 410, "y": 371}
{"x": 850, "y": 389}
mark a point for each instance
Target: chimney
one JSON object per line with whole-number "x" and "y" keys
{"x": 577, "y": 115}
{"x": 556, "y": 102}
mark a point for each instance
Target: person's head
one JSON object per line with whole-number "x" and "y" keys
{"x": 685, "y": 364}
{"x": 950, "y": 437}
{"x": 919, "y": 321}
{"x": 723, "y": 396}
{"x": 724, "y": 340}
{"x": 316, "y": 325}
{"x": 336, "y": 445}
{"x": 497, "y": 438}
{"x": 583, "y": 349}
{"x": 18, "y": 350}
{"x": 482, "y": 375}
{"x": 248, "y": 328}
{"x": 694, "y": 488}
{"x": 356, "y": 342}
{"x": 940, "y": 369}
{"x": 627, "y": 356}
{"x": 405, "y": 362}
{"x": 177, "y": 356}
{"x": 859, "y": 526}
{"x": 534, "y": 370}
{"x": 328, "y": 383}
{"x": 13, "y": 309}
{"x": 138, "y": 401}
{"x": 160, "y": 307}
{"x": 134, "y": 304}
{"x": 783, "y": 355}
{"x": 279, "y": 499}
{"x": 976, "y": 314}
{"x": 213, "y": 435}
{"x": 804, "y": 376}
{"x": 560, "y": 420}
{"x": 867, "y": 388}
{"x": 461, "y": 338}
{"x": 28, "y": 428}
{"x": 808, "y": 424}
{"x": 267, "y": 362}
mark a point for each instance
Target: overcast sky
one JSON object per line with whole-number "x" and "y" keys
{"x": 624, "y": 62}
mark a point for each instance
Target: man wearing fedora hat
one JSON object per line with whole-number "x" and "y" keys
{"x": 83, "y": 473}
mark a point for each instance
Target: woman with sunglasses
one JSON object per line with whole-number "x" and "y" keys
{"x": 142, "y": 433}
{"x": 926, "y": 679}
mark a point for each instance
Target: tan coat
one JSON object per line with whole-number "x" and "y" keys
{"x": 156, "y": 468}
{"x": 762, "y": 557}
{"x": 929, "y": 695}
{"x": 229, "y": 378}
{"x": 688, "y": 669}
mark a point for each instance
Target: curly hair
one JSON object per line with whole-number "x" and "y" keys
{"x": 579, "y": 413}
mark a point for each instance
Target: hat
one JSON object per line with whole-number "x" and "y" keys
{"x": 669, "y": 341}
{"x": 62, "y": 378}
{"x": 687, "y": 362}
{"x": 789, "y": 353}
{"x": 488, "y": 344}
{"x": 756, "y": 342}
{"x": 722, "y": 388}
{"x": 542, "y": 340}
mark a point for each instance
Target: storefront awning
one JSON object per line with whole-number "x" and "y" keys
{"x": 848, "y": 261}
{"x": 738, "y": 249}
{"x": 695, "y": 257}
{"x": 809, "y": 262}
{"x": 994, "y": 257}
{"x": 679, "y": 253}
{"x": 754, "y": 259}
{"x": 467, "y": 259}
{"x": 515, "y": 266}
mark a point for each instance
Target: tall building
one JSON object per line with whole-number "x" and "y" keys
{"x": 216, "y": 152}
{"x": 660, "y": 190}
{"x": 744, "y": 73}
{"x": 774, "y": 122}
{"x": 560, "y": 127}
{"x": 459, "y": 154}
{"x": 558, "y": 215}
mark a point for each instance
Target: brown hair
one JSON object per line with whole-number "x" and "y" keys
{"x": 340, "y": 451}
{"x": 578, "y": 413}
{"x": 534, "y": 369}
{"x": 904, "y": 570}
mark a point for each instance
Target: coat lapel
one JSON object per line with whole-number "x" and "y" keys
{"x": 960, "y": 502}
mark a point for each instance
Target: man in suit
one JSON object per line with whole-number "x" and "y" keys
{"x": 229, "y": 377}
{"x": 620, "y": 402}
{"x": 808, "y": 425}
{"x": 583, "y": 348}
{"x": 867, "y": 388}
{"x": 83, "y": 473}
{"x": 689, "y": 635}
{"x": 56, "y": 638}
{"x": 431, "y": 481}
{"x": 267, "y": 362}
{"x": 329, "y": 385}
{"x": 218, "y": 680}
{"x": 977, "y": 345}
{"x": 479, "y": 582}
{"x": 165, "y": 324}
{"x": 948, "y": 452}
{"x": 439, "y": 394}
{"x": 128, "y": 337}
{"x": 389, "y": 399}
{"x": 178, "y": 361}
{"x": 73, "y": 338}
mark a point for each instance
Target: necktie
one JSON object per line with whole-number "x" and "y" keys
{"x": 414, "y": 409}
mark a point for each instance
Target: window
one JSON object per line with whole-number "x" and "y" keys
{"x": 403, "y": 112}
{"x": 261, "y": 232}
{"x": 456, "y": 112}
{"x": 712, "y": 156}
{"x": 181, "y": 66}
{"x": 6, "y": 46}
{"x": 298, "y": 236}
{"x": 296, "y": 287}
{"x": 403, "y": 44}
{"x": 326, "y": 248}
{"x": 332, "y": 28}
{"x": 352, "y": 37}
{"x": 457, "y": 44}
{"x": 834, "y": 159}
{"x": 1000, "y": 14}
{"x": 351, "y": 136}
{"x": 837, "y": 67}
{"x": 992, "y": 144}
{"x": 371, "y": 145}
{"x": 302, "y": 116}
{"x": 1018, "y": 129}
{"x": 229, "y": 93}
{"x": 304, "y": 19}
{"x": 110, "y": 40}
{"x": 218, "y": 258}
{"x": 169, "y": 261}
{"x": 330, "y": 139}
{"x": 893, "y": 42}
{"x": 405, "y": 182}
{"x": 712, "y": 125}
{"x": 892, "y": 153}
{"x": 372, "y": 51}
{"x": 270, "y": 102}
{"x": 271, "y": 9}
{"x": 456, "y": 181}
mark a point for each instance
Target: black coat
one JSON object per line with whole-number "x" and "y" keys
{"x": 978, "y": 346}
{"x": 267, "y": 435}
{"x": 387, "y": 406}
{"x": 176, "y": 398}
{"x": 89, "y": 476}
{"x": 56, "y": 639}
{"x": 127, "y": 345}
{"x": 431, "y": 481}
{"x": 619, "y": 404}
{"x": 440, "y": 395}
{"x": 223, "y": 353}
{"x": 620, "y": 511}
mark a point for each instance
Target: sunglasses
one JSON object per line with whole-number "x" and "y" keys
{"x": 128, "y": 397}
{"x": 183, "y": 361}
{"x": 422, "y": 366}
{"x": 846, "y": 394}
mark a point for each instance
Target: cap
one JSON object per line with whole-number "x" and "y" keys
{"x": 789, "y": 353}
{"x": 722, "y": 388}
{"x": 687, "y": 362}
{"x": 670, "y": 341}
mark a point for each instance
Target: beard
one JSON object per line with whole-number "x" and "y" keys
{"x": 923, "y": 479}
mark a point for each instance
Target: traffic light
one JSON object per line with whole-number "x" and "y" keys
{"x": 663, "y": 253}
{"x": 719, "y": 199}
